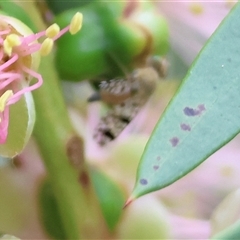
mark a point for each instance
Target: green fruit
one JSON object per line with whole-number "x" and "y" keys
{"x": 57, "y": 6}
{"x": 109, "y": 42}
{"x": 83, "y": 55}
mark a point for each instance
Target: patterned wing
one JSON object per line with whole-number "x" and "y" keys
{"x": 111, "y": 125}
{"x": 115, "y": 91}
{"x": 140, "y": 85}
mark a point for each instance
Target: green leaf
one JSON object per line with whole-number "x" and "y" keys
{"x": 203, "y": 115}
{"x": 232, "y": 232}
{"x": 14, "y": 10}
{"x": 110, "y": 196}
{"x": 21, "y": 122}
{"x": 50, "y": 215}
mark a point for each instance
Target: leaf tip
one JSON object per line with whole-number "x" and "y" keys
{"x": 128, "y": 202}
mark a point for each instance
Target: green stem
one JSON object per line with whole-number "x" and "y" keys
{"x": 59, "y": 146}
{"x": 53, "y": 131}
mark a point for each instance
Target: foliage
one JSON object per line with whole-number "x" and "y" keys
{"x": 82, "y": 187}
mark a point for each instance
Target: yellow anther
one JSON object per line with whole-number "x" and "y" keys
{"x": 11, "y": 41}
{"x": 76, "y": 23}
{"x": 46, "y": 47}
{"x": 196, "y": 8}
{"x": 52, "y": 31}
{"x": 7, "y": 48}
{"x": 4, "y": 98}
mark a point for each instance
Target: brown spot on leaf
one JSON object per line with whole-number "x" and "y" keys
{"x": 143, "y": 181}
{"x": 191, "y": 112}
{"x": 174, "y": 141}
{"x": 201, "y": 107}
{"x": 155, "y": 167}
{"x": 185, "y": 127}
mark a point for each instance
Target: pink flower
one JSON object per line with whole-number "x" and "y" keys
{"x": 19, "y": 60}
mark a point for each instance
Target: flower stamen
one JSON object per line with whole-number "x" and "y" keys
{"x": 52, "y": 31}
{"x": 76, "y": 23}
{"x": 46, "y": 47}
{"x": 4, "y": 98}
{"x": 8, "y": 81}
{"x": 9, "y": 62}
{"x": 20, "y": 54}
{"x": 73, "y": 28}
{"x": 39, "y": 82}
{"x": 11, "y": 41}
